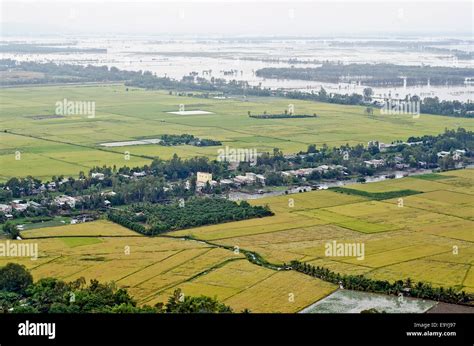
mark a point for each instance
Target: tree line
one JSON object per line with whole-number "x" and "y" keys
{"x": 172, "y": 140}
{"x": 407, "y": 288}
{"x": 153, "y": 219}
{"x": 19, "y": 294}
{"x": 372, "y": 74}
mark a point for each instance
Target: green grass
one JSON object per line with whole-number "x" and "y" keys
{"x": 364, "y": 226}
{"x": 40, "y": 222}
{"x": 71, "y": 144}
{"x": 58, "y": 221}
{"x": 432, "y": 176}
{"x": 377, "y": 196}
{"x": 80, "y": 241}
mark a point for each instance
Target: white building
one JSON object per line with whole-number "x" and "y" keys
{"x": 51, "y": 186}
{"x": 98, "y": 176}
{"x": 5, "y": 208}
{"x": 260, "y": 179}
{"x": 443, "y": 153}
{"x": 19, "y": 206}
{"x": 33, "y": 204}
{"x": 385, "y": 146}
{"x": 226, "y": 182}
{"x": 251, "y": 177}
{"x": 63, "y": 200}
{"x": 374, "y": 163}
{"x": 240, "y": 179}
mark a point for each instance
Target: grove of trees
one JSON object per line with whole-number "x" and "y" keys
{"x": 19, "y": 294}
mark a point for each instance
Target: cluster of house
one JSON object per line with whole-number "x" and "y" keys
{"x": 21, "y": 205}
{"x": 101, "y": 176}
{"x": 59, "y": 201}
{"x": 17, "y": 205}
{"x": 81, "y": 219}
{"x": 303, "y": 172}
{"x": 248, "y": 179}
{"x": 456, "y": 154}
{"x": 64, "y": 200}
{"x": 377, "y": 163}
{"x": 70, "y": 201}
{"x": 384, "y": 146}
{"x": 52, "y": 186}
{"x": 203, "y": 178}
{"x": 374, "y": 163}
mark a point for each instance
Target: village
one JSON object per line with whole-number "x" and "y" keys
{"x": 76, "y": 200}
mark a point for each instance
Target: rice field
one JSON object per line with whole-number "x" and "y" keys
{"x": 152, "y": 268}
{"x": 66, "y": 145}
{"x": 426, "y": 237}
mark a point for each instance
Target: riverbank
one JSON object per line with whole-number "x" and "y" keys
{"x": 238, "y": 195}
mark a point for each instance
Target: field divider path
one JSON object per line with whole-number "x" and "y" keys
{"x": 436, "y": 212}
{"x": 409, "y": 260}
{"x": 249, "y": 287}
{"x": 83, "y": 236}
{"x": 171, "y": 268}
{"x": 63, "y": 161}
{"x": 152, "y": 264}
{"x": 210, "y": 127}
{"x": 77, "y": 145}
{"x": 465, "y": 275}
{"x": 252, "y": 257}
{"x": 174, "y": 284}
{"x": 257, "y": 259}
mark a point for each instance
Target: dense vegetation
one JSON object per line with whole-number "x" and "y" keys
{"x": 432, "y": 105}
{"x": 406, "y": 288}
{"x": 416, "y": 152}
{"x": 10, "y": 229}
{"x": 171, "y": 140}
{"x": 372, "y": 74}
{"x": 19, "y": 294}
{"x": 147, "y": 189}
{"x": 281, "y": 116}
{"x": 154, "y": 219}
{"x": 429, "y": 105}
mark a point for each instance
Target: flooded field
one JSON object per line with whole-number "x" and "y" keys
{"x": 127, "y": 143}
{"x": 198, "y": 112}
{"x": 240, "y": 58}
{"x": 346, "y": 301}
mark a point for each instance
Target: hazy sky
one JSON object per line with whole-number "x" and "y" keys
{"x": 309, "y": 18}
